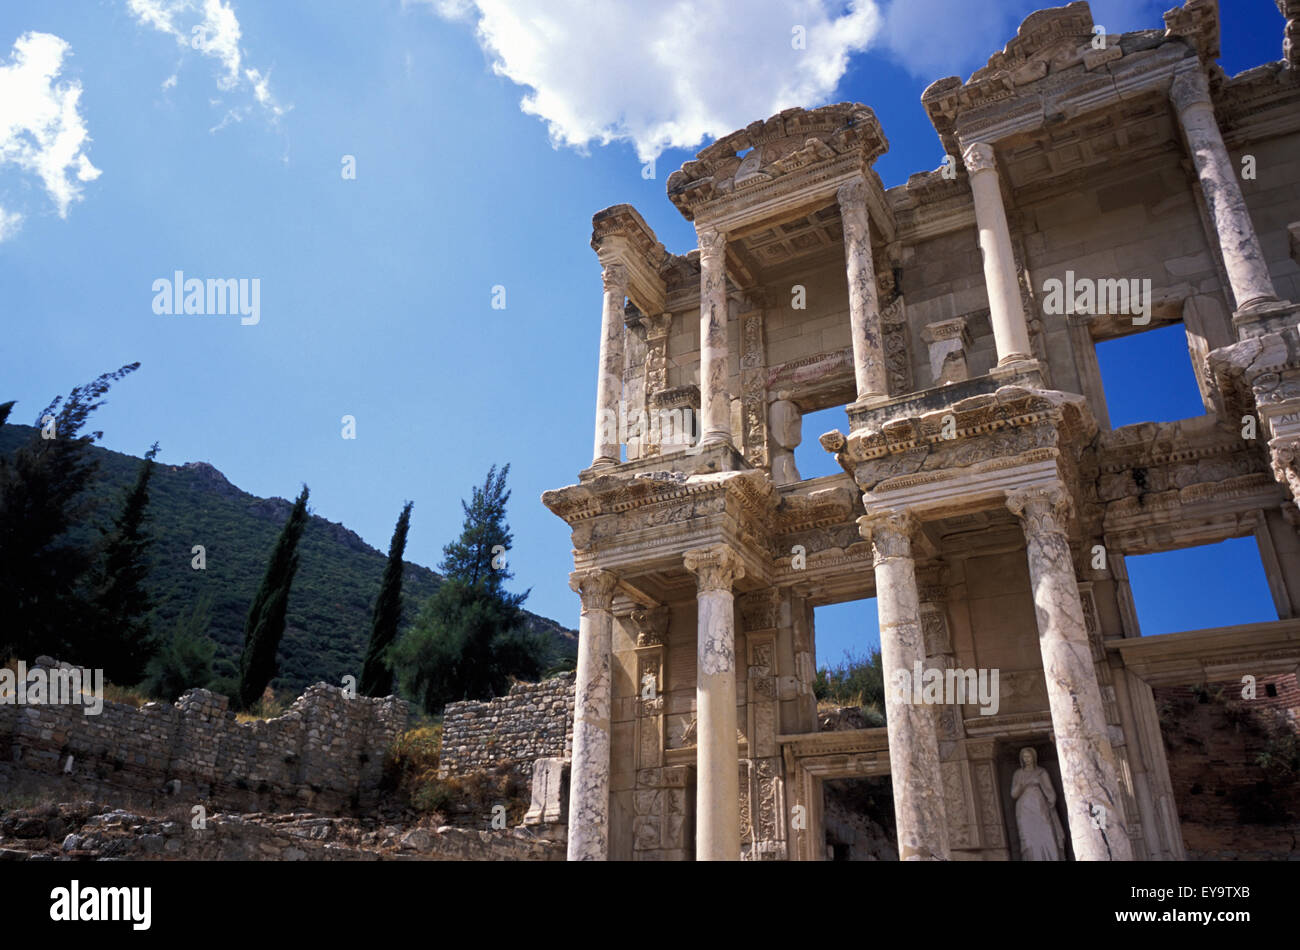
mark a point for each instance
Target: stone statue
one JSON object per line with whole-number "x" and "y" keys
{"x": 1041, "y": 835}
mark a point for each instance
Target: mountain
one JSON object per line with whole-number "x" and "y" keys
{"x": 333, "y": 592}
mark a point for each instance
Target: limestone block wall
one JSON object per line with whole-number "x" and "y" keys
{"x": 326, "y": 753}
{"x": 532, "y": 721}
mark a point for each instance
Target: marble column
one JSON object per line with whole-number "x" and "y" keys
{"x": 1006, "y": 308}
{"x": 913, "y": 739}
{"x": 717, "y": 754}
{"x": 609, "y": 383}
{"x": 864, "y": 305}
{"x": 1242, "y": 256}
{"x": 1089, "y": 774}
{"x": 589, "y": 776}
{"x": 715, "y": 403}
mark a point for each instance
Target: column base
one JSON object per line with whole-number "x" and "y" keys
{"x": 1270, "y": 316}
{"x": 1018, "y": 370}
{"x": 696, "y": 460}
{"x": 869, "y": 401}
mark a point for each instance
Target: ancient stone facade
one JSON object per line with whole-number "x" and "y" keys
{"x": 326, "y": 753}
{"x": 981, "y": 473}
{"x": 532, "y": 721}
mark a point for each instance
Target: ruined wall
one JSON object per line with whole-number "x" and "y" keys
{"x": 326, "y": 753}
{"x": 1229, "y": 806}
{"x": 532, "y": 721}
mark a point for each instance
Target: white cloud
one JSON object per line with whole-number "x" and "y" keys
{"x": 210, "y": 28}
{"x": 41, "y": 130}
{"x": 9, "y": 224}
{"x": 664, "y": 73}
{"x": 673, "y": 73}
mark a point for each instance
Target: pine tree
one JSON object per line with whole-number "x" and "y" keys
{"x": 42, "y": 495}
{"x": 185, "y": 660}
{"x": 376, "y": 677}
{"x": 121, "y": 642}
{"x": 477, "y": 557}
{"x": 470, "y": 639}
{"x": 266, "y": 617}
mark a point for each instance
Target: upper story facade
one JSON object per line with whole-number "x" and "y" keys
{"x": 1093, "y": 187}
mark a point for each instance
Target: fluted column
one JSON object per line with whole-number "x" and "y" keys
{"x": 864, "y": 305}
{"x": 609, "y": 383}
{"x": 1242, "y": 256}
{"x": 1089, "y": 775}
{"x": 1006, "y": 309}
{"x": 913, "y": 738}
{"x": 589, "y": 781}
{"x": 717, "y": 755}
{"x": 715, "y": 406}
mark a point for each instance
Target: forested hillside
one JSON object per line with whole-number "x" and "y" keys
{"x": 333, "y": 593}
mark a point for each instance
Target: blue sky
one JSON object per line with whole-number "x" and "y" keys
{"x": 126, "y": 154}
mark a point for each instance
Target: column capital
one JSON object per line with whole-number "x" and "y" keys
{"x": 1190, "y": 88}
{"x": 715, "y": 568}
{"x": 595, "y": 587}
{"x": 855, "y": 218}
{"x": 713, "y": 243}
{"x": 852, "y": 193}
{"x": 651, "y": 625}
{"x": 890, "y": 533}
{"x": 615, "y": 278}
{"x": 1041, "y": 508}
{"x": 979, "y": 157}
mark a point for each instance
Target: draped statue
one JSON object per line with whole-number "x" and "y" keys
{"x": 1041, "y": 835}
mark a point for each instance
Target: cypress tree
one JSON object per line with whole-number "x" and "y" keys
{"x": 42, "y": 496}
{"x": 122, "y": 641}
{"x": 376, "y": 677}
{"x": 266, "y": 617}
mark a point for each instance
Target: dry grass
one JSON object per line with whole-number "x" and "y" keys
{"x": 126, "y": 695}
{"x": 270, "y": 706}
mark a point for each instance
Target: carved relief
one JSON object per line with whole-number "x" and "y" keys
{"x": 898, "y": 358}
{"x": 753, "y": 388}
{"x": 651, "y": 624}
{"x": 956, "y": 813}
{"x": 990, "y": 814}
{"x": 759, "y": 609}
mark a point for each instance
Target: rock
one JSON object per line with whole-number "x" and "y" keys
{"x": 417, "y": 840}
{"x": 29, "y": 828}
